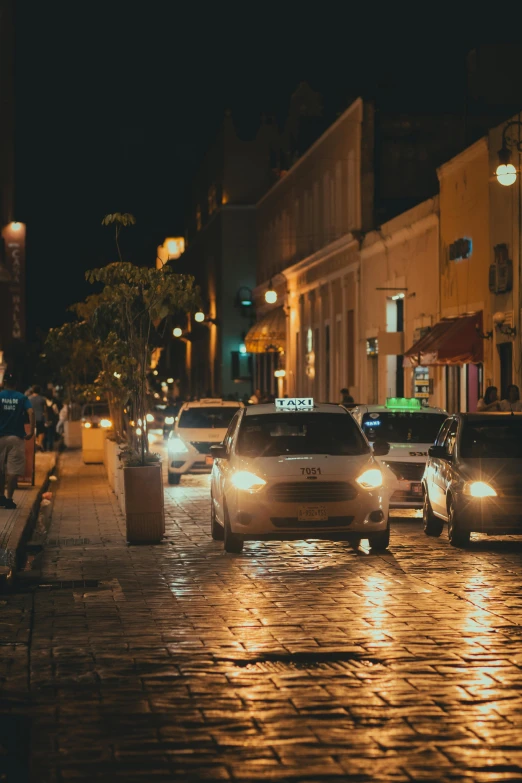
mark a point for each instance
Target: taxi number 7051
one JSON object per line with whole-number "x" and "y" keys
{"x": 310, "y": 471}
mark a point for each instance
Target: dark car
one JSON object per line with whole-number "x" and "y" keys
{"x": 472, "y": 478}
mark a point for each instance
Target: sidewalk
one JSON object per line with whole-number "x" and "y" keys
{"x": 13, "y": 524}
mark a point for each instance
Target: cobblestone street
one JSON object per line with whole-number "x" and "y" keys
{"x": 302, "y": 661}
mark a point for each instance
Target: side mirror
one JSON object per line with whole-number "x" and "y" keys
{"x": 381, "y": 448}
{"x": 439, "y": 452}
{"x": 219, "y": 451}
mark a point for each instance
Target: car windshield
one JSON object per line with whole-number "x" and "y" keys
{"x": 207, "y": 418}
{"x": 277, "y": 434}
{"x": 97, "y": 409}
{"x": 487, "y": 440}
{"x": 402, "y": 426}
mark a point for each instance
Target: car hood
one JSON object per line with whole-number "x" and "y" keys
{"x": 501, "y": 472}
{"x": 295, "y": 466}
{"x": 408, "y": 452}
{"x": 200, "y": 435}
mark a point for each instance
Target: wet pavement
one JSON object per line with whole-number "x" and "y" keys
{"x": 302, "y": 661}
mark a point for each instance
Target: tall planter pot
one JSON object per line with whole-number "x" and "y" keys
{"x": 144, "y": 508}
{"x": 72, "y": 434}
{"x": 93, "y": 440}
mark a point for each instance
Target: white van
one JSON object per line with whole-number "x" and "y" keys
{"x": 409, "y": 429}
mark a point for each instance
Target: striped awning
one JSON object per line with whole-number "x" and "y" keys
{"x": 268, "y": 335}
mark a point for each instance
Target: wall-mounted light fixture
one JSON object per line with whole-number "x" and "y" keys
{"x": 499, "y": 320}
{"x": 270, "y": 294}
{"x": 506, "y": 173}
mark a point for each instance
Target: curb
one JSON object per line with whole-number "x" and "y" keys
{"x": 21, "y": 532}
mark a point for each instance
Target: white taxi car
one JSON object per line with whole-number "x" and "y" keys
{"x": 197, "y": 427}
{"x": 296, "y": 470}
{"x": 404, "y": 430}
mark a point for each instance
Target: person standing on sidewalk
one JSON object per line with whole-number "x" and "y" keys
{"x": 14, "y": 408}
{"x": 38, "y": 405}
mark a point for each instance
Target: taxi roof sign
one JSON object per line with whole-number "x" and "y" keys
{"x": 403, "y": 404}
{"x": 294, "y": 403}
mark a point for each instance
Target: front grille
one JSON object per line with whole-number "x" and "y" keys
{"x": 202, "y": 447}
{"x": 316, "y": 492}
{"x": 293, "y": 522}
{"x": 409, "y": 471}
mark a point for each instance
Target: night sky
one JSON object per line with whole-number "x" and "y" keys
{"x": 115, "y": 107}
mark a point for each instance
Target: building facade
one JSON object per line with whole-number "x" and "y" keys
{"x": 399, "y": 286}
{"x": 6, "y": 176}
{"x": 324, "y": 230}
{"x": 505, "y": 257}
{"x": 220, "y": 251}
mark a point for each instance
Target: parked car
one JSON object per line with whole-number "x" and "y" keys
{"x": 408, "y": 429}
{"x": 472, "y": 478}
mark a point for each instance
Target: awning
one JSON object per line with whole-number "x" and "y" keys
{"x": 451, "y": 341}
{"x": 268, "y": 334}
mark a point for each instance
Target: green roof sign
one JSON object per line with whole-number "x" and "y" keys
{"x": 403, "y": 404}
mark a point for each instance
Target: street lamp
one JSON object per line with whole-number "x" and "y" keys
{"x": 177, "y": 332}
{"x": 199, "y": 317}
{"x": 270, "y": 294}
{"x": 506, "y": 173}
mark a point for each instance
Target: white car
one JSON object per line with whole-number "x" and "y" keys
{"x": 286, "y": 474}
{"x": 198, "y": 426}
{"x": 405, "y": 430}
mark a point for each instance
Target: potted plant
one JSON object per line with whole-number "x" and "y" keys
{"x": 127, "y": 316}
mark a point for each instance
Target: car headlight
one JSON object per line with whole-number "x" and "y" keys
{"x": 177, "y": 446}
{"x": 479, "y": 489}
{"x": 370, "y": 479}
{"x": 149, "y": 417}
{"x": 169, "y": 419}
{"x": 243, "y": 479}
{"x": 106, "y": 424}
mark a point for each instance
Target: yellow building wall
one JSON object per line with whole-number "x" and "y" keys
{"x": 464, "y": 213}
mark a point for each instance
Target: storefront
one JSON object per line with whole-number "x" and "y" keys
{"x": 457, "y": 345}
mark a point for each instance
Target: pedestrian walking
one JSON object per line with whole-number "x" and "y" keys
{"x": 346, "y": 397}
{"x": 490, "y": 401}
{"x": 256, "y": 397}
{"x": 38, "y": 405}
{"x": 15, "y": 407}
{"x": 512, "y": 400}
{"x": 51, "y": 417}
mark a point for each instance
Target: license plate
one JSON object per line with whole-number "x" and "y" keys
{"x": 209, "y": 460}
{"x": 416, "y": 489}
{"x": 312, "y": 514}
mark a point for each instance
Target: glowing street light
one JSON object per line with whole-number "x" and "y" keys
{"x": 170, "y": 380}
{"x": 177, "y": 332}
{"x": 270, "y": 294}
{"x": 506, "y": 174}
{"x": 199, "y": 317}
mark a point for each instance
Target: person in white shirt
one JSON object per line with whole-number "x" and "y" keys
{"x": 512, "y": 401}
{"x": 489, "y": 402}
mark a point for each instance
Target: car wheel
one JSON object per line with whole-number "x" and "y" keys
{"x": 432, "y": 525}
{"x": 457, "y": 536}
{"x": 216, "y": 531}
{"x": 381, "y": 540}
{"x": 174, "y": 478}
{"x": 232, "y": 542}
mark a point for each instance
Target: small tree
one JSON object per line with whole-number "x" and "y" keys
{"x": 136, "y": 300}
{"x": 71, "y": 351}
